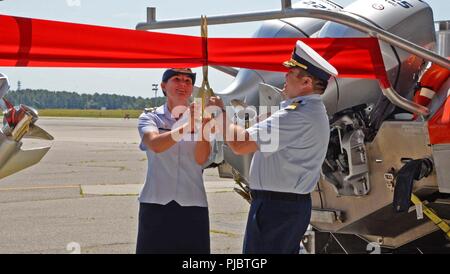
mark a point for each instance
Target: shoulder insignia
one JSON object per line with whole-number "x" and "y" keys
{"x": 147, "y": 110}
{"x": 293, "y": 106}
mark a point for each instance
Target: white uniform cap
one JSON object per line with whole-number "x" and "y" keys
{"x": 308, "y": 59}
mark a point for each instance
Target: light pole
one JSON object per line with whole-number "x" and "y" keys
{"x": 155, "y": 89}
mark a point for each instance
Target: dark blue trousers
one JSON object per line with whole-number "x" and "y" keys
{"x": 276, "y": 222}
{"x": 173, "y": 229}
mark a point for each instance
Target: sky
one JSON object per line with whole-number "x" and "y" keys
{"x": 126, "y": 14}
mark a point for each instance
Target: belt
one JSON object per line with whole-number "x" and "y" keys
{"x": 282, "y": 196}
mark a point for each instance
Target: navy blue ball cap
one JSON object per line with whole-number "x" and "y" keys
{"x": 169, "y": 73}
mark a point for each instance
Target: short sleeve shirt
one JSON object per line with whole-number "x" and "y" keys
{"x": 292, "y": 146}
{"x": 173, "y": 174}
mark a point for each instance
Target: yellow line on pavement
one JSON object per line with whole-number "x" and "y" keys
{"x": 223, "y": 232}
{"x": 38, "y": 187}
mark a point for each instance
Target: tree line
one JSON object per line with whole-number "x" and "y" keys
{"x": 45, "y": 99}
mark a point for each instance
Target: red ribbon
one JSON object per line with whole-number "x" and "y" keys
{"x": 26, "y": 42}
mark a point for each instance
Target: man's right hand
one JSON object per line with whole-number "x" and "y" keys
{"x": 215, "y": 101}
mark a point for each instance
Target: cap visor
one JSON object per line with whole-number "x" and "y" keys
{"x": 289, "y": 64}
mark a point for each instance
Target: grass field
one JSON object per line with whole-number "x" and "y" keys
{"x": 94, "y": 113}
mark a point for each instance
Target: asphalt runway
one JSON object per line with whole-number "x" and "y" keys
{"x": 82, "y": 197}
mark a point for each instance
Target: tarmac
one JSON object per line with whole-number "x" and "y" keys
{"x": 82, "y": 197}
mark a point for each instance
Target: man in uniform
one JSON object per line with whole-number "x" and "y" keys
{"x": 282, "y": 177}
